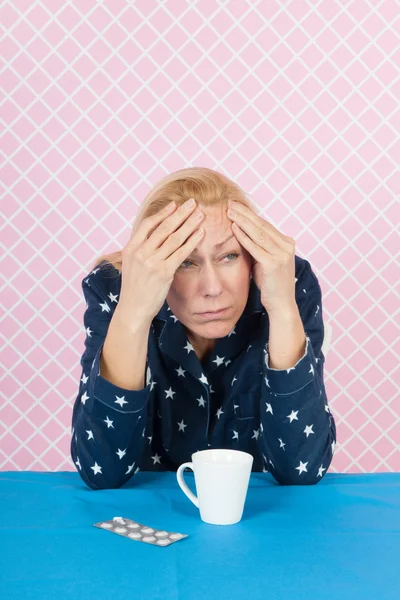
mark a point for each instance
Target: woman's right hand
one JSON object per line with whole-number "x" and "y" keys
{"x": 152, "y": 256}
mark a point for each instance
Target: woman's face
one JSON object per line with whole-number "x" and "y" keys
{"x": 212, "y": 278}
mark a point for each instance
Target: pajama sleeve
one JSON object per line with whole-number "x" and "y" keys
{"x": 107, "y": 421}
{"x": 298, "y": 431}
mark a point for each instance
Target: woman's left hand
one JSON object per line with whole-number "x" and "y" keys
{"x": 273, "y": 254}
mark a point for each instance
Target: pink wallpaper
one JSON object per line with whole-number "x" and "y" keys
{"x": 296, "y": 101}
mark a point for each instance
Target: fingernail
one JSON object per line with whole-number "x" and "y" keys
{"x": 191, "y": 202}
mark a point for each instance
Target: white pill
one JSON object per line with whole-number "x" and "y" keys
{"x": 149, "y": 538}
{"x": 147, "y": 530}
{"x": 161, "y": 533}
{"x": 106, "y": 525}
{"x": 133, "y": 525}
{"x": 119, "y": 519}
{"x": 134, "y": 535}
{"x": 163, "y": 542}
{"x": 120, "y": 530}
{"x": 175, "y": 536}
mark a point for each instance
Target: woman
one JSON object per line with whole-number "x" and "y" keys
{"x": 163, "y": 378}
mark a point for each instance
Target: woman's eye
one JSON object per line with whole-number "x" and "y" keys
{"x": 234, "y": 254}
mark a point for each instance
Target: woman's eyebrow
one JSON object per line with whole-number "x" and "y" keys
{"x": 218, "y": 245}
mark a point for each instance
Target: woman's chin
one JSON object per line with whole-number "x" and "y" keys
{"x": 214, "y": 327}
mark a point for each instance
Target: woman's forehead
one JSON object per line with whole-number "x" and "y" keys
{"x": 218, "y": 245}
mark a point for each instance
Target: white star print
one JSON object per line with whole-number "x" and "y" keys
{"x": 112, "y": 297}
{"x": 182, "y": 426}
{"x": 152, "y": 384}
{"x": 227, "y": 362}
{"x": 78, "y": 462}
{"x": 105, "y": 307}
{"x": 180, "y": 371}
{"x": 121, "y": 453}
{"x": 174, "y": 317}
{"x": 233, "y": 380}
{"x": 90, "y": 434}
{"x": 84, "y": 378}
{"x": 219, "y": 412}
{"x": 211, "y": 390}
{"x": 203, "y": 378}
{"x": 269, "y": 408}
{"x": 308, "y": 430}
{"x": 233, "y": 332}
{"x": 266, "y": 382}
{"x": 311, "y": 369}
{"x": 293, "y": 415}
{"x": 84, "y": 397}
{"x": 218, "y": 360}
{"x": 136, "y": 470}
{"x": 281, "y": 445}
{"x": 109, "y": 423}
{"x": 302, "y": 467}
{"x": 333, "y": 448}
{"x": 201, "y": 401}
{"x": 150, "y": 437}
{"x": 327, "y": 408}
{"x": 189, "y": 347}
{"x": 169, "y": 393}
{"x": 256, "y": 434}
{"x": 130, "y": 467}
{"x": 96, "y": 468}
{"x": 156, "y": 459}
{"x": 320, "y": 471}
{"x": 121, "y": 401}
{"x": 88, "y": 332}
{"x": 235, "y": 435}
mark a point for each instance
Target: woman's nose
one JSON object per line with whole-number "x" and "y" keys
{"x": 211, "y": 280}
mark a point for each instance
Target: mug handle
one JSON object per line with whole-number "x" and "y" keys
{"x": 182, "y": 484}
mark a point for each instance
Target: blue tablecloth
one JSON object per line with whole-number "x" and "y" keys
{"x": 339, "y": 539}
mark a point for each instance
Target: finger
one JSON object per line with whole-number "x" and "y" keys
{"x": 245, "y": 210}
{"x": 176, "y": 239}
{"x": 168, "y": 225}
{"x": 143, "y": 230}
{"x": 252, "y": 248}
{"x": 258, "y": 235}
{"x": 177, "y": 257}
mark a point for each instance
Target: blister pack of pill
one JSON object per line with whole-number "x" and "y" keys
{"x": 139, "y": 532}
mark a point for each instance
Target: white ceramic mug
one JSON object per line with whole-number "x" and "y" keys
{"x": 222, "y": 479}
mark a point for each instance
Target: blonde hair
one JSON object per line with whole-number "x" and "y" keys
{"x": 206, "y": 186}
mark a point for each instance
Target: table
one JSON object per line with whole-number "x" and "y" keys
{"x": 339, "y": 539}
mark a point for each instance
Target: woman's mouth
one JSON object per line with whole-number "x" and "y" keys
{"x": 214, "y": 314}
